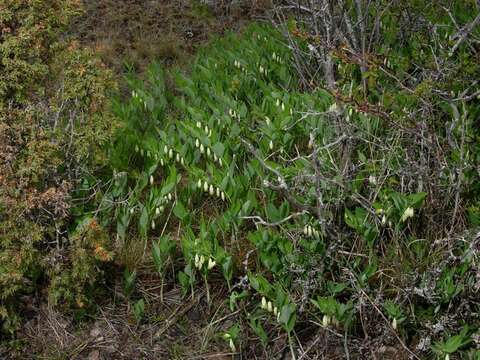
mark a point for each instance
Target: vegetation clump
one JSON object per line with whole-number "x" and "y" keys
{"x": 53, "y": 96}
{"x": 315, "y": 180}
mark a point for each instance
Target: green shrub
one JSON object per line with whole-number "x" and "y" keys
{"x": 53, "y": 124}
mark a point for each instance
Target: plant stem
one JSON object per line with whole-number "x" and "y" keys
{"x": 207, "y": 288}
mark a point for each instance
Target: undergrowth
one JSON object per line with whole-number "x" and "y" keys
{"x": 334, "y": 194}
{"x": 310, "y": 205}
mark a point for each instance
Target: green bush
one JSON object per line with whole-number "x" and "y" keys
{"x": 53, "y": 124}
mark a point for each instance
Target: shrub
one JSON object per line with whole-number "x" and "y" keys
{"x": 53, "y": 124}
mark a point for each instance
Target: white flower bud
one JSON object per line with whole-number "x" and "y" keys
{"x": 162, "y": 162}
{"x": 170, "y": 196}
{"x": 326, "y": 320}
{"x": 211, "y": 264}
{"x": 277, "y": 102}
{"x": 153, "y": 224}
{"x": 177, "y": 158}
{"x": 283, "y": 106}
{"x": 218, "y": 192}
{"x": 199, "y": 183}
{"x": 165, "y": 149}
{"x": 162, "y": 208}
{"x": 215, "y": 158}
{"x": 202, "y": 149}
{"x": 310, "y": 143}
{"x": 202, "y": 260}
{"x": 197, "y": 260}
{"x": 199, "y": 124}
{"x": 211, "y": 191}
{"x": 333, "y": 107}
{"x": 291, "y": 111}
{"x": 220, "y": 162}
{"x": 309, "y": 231}
{"x": 157, "y": 211}
{"x": 222, "y": 196}
{"x": 270, "y": 145}
{"x": 182, "y": 161}
{"x": 394, "y": 323}
{"x": 269, "y": 306}
{"x": 232, "y": 346}
{"x": 197, "y": 143}
{"x": 275, "y": 311}
{"x": 132, "y": 210}
{"x": 170, "y": 153}
{"x": 206, "y": 129}
{"x": 264, "y": 303}
{"x": 267, "y": 120}
{"x": 151, "y": 179}
{"x": 408, "y": 213}
{"x": 305, "y": 230}
{"x": 208, "y": 152}
{"x": 136, "y": 148}
{"x": 205, "y": 186}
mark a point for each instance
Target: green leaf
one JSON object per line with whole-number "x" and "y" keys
{"x": 143, "y": 221}
{"x": 180, "y": 211}
{"x": 129, "y": 282}
{"x": 259, "y": 330}
{"x": 288, "y": 317}
{"x": 218, "y": 149}
{"x": 139, "y": 309}
{"x": 157, "y": 258}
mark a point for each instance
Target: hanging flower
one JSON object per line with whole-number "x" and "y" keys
{"x": 408, "y": 213}
{"x": 211, "y": 264}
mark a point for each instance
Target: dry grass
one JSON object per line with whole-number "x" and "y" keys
{"x": 137, "y": 31}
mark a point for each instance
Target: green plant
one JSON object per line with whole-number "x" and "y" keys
{"x": 162, "y": 252}
{"x": 453, "y": 343}
{"x": 139, "y": 310}
{"x": 129, "y": 282}
{"x": 317, "y": 193}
